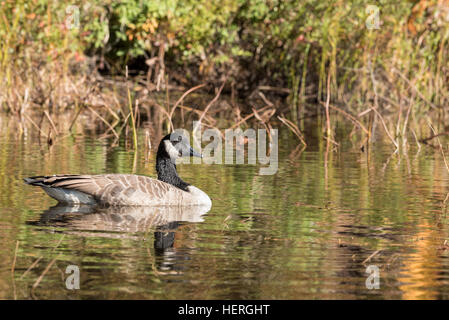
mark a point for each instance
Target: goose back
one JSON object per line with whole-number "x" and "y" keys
{"x": 117, "y": 190}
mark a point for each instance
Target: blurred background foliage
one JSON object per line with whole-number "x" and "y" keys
{"x": 272, "y": 36}
{"x": 294, "y": 45}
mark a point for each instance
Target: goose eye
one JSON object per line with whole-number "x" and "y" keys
{"x": 175, "y": 138}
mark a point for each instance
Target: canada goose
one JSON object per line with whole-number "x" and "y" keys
{"x": 129, "y": 189}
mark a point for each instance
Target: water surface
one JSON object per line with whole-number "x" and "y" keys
{"x": 307, "y": 232}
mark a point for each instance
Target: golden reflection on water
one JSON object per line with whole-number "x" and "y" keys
{"x": 419, "y": 273}
{"x": 305, "y": 232}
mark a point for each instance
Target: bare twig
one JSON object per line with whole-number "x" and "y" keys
{"x": 349, "y": 116}
{"x": 268, "y": 102}
{"x": 209, "y": 105}
{"x": 31, "y": 267}
{"x": 293, "y": 128}
{"x": 182, "y": 98}
{"x": 51, "y": 122}
{"x": 276, "y": 89}
{"x": 371, "y": 256}
{"x": 102, "y": 119}
{"x": 385, "y": 127}
{"x": 435, "y": 135}
{"x": 35, "y": 125}
{"x": 248, "y": 117}
{"x": 44, "y": 273}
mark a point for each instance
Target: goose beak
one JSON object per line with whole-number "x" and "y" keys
{"x": 193, "y": 153}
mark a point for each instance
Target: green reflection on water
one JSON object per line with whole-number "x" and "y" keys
{"x": 302, "y": 233}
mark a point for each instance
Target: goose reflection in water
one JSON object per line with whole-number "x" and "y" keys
{"x": 127, "y": 223}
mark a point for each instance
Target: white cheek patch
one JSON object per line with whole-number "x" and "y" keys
{"x": 171, "y": 150}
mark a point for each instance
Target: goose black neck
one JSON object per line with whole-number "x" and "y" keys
{"x": 166, "y": 170}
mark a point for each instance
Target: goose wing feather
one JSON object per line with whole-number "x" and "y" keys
{"x": 117, "y": 189}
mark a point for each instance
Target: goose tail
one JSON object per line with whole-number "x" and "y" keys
{"x": 35, "y": 181}
{"x": 50, "y": 184}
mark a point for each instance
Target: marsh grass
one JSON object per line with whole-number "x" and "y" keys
{"x": 301, "y": 61}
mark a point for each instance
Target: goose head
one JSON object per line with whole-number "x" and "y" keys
{"x": 172, "y": 147}
{"x": 176, "y": 145}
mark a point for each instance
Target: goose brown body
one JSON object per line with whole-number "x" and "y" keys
{"x": 117, "y": 190}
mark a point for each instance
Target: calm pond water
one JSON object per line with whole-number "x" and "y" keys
{"x": 308, "y": 232}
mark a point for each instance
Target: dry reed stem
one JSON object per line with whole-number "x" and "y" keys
{"x": 293, "y": 128}
{"x": 328, "y": 121}
{"x": 416, "y": 139}
{"x": 31, "y": 267}
{"x": 371, "y": 256}
{"x": 406, "y": 119}
{"x": 147, "y": 144}
{"x": 350, "y": 117}
{"x": 38, "y": 281}
{"x": 214, "y": 127}
{"x": 373, "y": 80}
{"x": 13, "y": 267}
{"x": 15, "y": 257}
{"x": 441, "y": 147}
{"x": 134, "y": 168}
{"x": 209, "y": 105}
{"x": 165, "y": 112}
{"x": 297, "y": 151}
{"x": 121, "y": 129}
{"x": 326, "y": 169}
{"x": 265, "y": 121}
{"x": 38, "y": 259}
{"x": 136, "y": 112}
{"x": 206, "y": 117}
{"x": 276, "y": 89}
{"x": 262, "y": 96}
{"x": 333, "y": 141}
{"x": 76, "y": 117}
{"x": 444, "y": 159}
{"x": 446, "y": 199}
{"x": 424, "y": 140}
{"x": 35, "y": 125}
{"x": 264, "y": 118}
{"x": 104, "y": 120}
{"x": 51, "y": 122}
{"x": 361, "y": 114}
{"x": 115, "y": 115}
{"x": 385, "y": 127}
{"x": 248, "y": 117}
{"x": 181, "y": 99}
{"x": 130, "y": 107}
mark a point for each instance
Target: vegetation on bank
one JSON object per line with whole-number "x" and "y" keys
{"x": 278, "y": 60}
